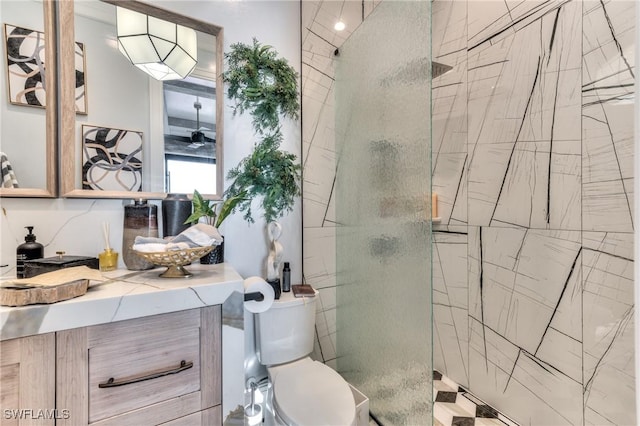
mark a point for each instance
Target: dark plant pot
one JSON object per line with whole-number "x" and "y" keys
{"x": 214, "y": 256}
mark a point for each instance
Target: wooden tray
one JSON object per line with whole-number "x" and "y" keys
{"x": 17, "y": 295}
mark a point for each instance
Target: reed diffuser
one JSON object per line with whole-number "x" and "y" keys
{"x": 108, "y": 259}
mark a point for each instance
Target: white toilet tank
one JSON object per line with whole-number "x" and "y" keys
{"x": 285, "y": 331}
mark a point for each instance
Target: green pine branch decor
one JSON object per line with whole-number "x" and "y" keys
{"x": 261, "y": 83}
{"x": 270, "y": 173}
{"x": 267, "y": 87}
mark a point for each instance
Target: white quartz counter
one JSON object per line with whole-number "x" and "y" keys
{"x": 125, "y": 295}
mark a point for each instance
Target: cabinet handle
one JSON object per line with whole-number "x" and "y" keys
{"x": 111, "y": 383}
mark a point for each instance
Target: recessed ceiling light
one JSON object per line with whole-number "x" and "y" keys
{"x": 339, "y": 26}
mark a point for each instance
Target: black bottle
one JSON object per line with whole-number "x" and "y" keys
{"x": 286, "y": 277}
{"x": 28, "y": 250}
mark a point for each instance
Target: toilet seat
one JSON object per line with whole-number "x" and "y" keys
{"x": 308, "y": 392}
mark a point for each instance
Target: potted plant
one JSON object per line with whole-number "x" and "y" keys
{"x": 214, "y": 213}
{"x": 266, "y": 86}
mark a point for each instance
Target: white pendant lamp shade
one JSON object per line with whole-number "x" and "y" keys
{"x": 164, "y": 50}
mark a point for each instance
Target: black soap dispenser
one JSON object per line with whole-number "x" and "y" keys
{"x": 28, "y": 250}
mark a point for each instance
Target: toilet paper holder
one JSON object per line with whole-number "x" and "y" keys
{"x": 256, "y": 295}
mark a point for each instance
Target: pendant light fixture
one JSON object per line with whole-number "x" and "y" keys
{"x": 162, "y": 49}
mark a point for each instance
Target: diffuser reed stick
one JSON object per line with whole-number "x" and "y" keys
{"x": 108, "y": 258}
{"x": 105, "y": 230}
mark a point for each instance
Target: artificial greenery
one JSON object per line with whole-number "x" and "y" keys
{"x": 260, "y": 82}
{"x": 267, "y": 172}
{"x": 207, "y": 209}
{"x": 267, "y": 87}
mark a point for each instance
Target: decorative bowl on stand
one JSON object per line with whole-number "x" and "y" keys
{"x": 175, "y": 260}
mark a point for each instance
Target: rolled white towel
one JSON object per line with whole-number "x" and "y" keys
{"x": 177, "y": 246}
{"x": 199, "y": 235}
{"x": 150, "y": 247}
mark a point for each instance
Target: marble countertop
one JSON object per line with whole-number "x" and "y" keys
{"x": 125, "y": 295}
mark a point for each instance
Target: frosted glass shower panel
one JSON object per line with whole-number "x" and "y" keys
{"x": 383, "y": 195}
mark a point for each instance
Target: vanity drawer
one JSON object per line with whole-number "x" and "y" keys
{"x": 134, "y": 350}
{"x": 144, "y": 371}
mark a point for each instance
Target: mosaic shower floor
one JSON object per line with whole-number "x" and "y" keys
{"x": 454, "y": 406}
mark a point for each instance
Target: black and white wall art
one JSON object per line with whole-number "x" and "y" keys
{"x": 26, "y": 83}
{"x": 111, "y": 159}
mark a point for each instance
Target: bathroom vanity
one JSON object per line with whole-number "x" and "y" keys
{"x": 136, "y": 349}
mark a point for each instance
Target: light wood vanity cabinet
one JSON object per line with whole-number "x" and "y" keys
{"x": 27, "y": 380}
{"x": 162, "y": 369}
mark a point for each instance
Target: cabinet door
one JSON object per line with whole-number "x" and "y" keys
{"x": 27, "y": 375}
{"x": 145, "y": 371}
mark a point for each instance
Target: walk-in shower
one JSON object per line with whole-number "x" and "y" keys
{"x": 383, "y": 195}
{"x": 528, "y": 142}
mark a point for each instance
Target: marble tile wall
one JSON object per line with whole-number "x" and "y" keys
{"x": 533, "y": 164}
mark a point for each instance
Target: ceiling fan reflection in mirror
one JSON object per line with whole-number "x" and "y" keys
{"x": 189, "y": 117}
{"x": 197, "y": 135}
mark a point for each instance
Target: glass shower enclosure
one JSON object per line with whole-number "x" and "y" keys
{"x": 383, "y": 209}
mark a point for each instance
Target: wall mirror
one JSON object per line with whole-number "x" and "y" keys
{"x": 124, "y": 133}
{"x": 28, "y": 97}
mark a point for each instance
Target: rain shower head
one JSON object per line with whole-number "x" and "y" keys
{"x": 437, "y": 69}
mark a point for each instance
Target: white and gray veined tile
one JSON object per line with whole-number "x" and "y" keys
{"x": 449, "y": 31}
{"x": 491, "y": 21}
{"x": 517, "y": 278}
{"x": 527, "y": 389}
{"x": 318, "y": 133}
{"x": 449, "y": 111}
{"x": 449, "y": 152}
{"x": 449, "y": 90}
{"x": 561, "y": 343}
{"x": 448, "y": 181}
{"x": 491, "y": 263}
{"x": 524, "y": 133}
{"x": 608, "y": 328}
{"x": 607, "y": 126}
{"x": 450, "y": 300}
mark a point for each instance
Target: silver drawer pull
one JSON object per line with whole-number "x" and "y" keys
{"x": 111, "y": 383}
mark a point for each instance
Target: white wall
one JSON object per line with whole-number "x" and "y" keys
{"x": 75, "y": 225}
{"x": 22, "y": 134}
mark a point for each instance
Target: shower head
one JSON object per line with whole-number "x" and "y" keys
{"x": 437, "y": 69}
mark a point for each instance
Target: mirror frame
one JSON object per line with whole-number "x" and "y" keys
{"x": 51, "y": 189}
{"x": 68, "y": 143}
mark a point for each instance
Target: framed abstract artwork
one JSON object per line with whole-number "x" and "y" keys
{"x": 111, "y": 159}
{"x": 26, "y": 64}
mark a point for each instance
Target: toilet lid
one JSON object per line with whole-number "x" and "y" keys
{"x": 310, "y": 393}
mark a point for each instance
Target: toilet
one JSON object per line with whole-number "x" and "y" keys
{"x": 305, "y": 392}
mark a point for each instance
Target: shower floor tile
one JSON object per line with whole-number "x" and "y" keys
{"x": 454, "y": 406}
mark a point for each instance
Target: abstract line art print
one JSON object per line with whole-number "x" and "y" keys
{"x": 26, "y": 68}
{"x": 111, "y": 159}
{"x": 81, "y": 79}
